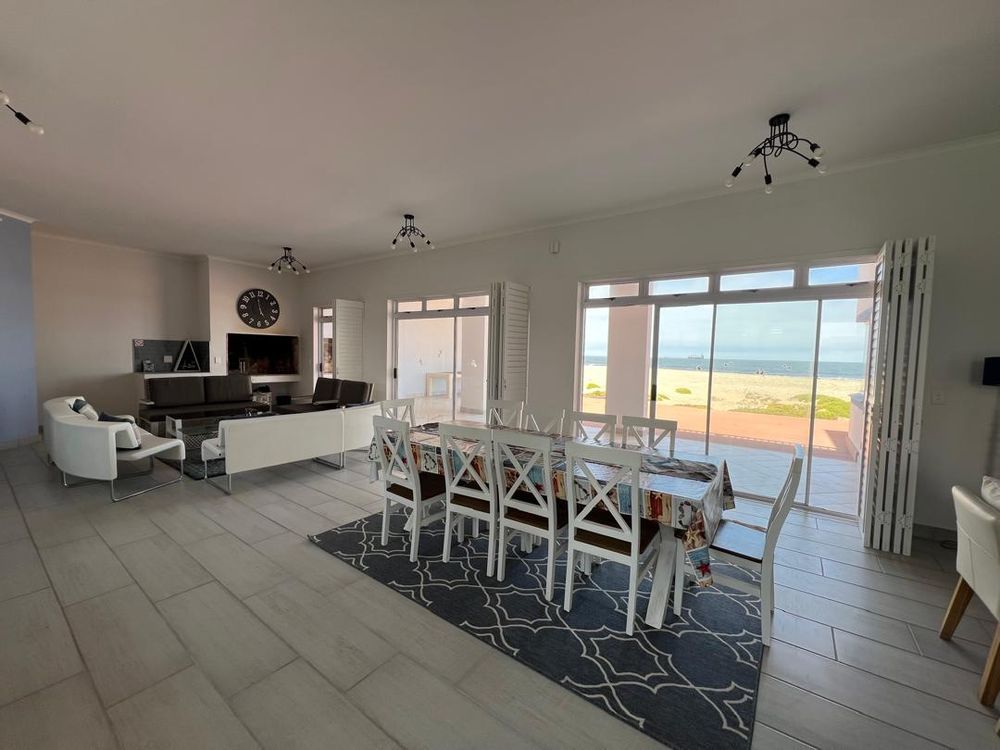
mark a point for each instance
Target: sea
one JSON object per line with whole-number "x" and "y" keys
{"x": 846, "y": 370}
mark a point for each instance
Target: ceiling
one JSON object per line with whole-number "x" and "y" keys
{"x": 232, "y": 127}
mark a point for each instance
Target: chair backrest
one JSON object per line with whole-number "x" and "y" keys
{"x": 395, "y": 457}
{"x": 523, "y": 466}
{"x": 597, "y": 477}
{"x": 550, "y": 424}
{"x": 978, "y": 557}
{"x": 575, "y": 426}
{"x": 467, "y": 456}
{"x": 400, "y": 408}
{"x": 644, "y": 432}
{"x": 783, "y": 503}
{"x": 504, "y": 413}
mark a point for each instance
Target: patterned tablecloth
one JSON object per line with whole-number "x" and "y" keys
{"x": 684, "y": 491}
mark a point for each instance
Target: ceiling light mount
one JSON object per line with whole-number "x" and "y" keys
{"x": 22, "y": 118}
{"x": 408, "y": 232}
{"x": 288, "y": 262}
{"x": 778, "y": 142}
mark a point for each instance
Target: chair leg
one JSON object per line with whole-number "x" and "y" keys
{"x": 475, "y": 528}
{"x": 415, "y": 532}
{"x": 633, "y": 594}
{"x": 385, "y": 522}
{"x": 989, "y": 686}
{"x": 588, "y": 564}
{"x": 525, "y": 542}
{"x": 461, "y": 529}
{"x": 679, "y": 558}
{"x": 568, "y": 595}
{"x": 766, "y": 604}
{"x": 491, "y": 550}
{"x": 960, "y": 599}
{"x": 550, "y": 572}
{"x": 446, "y": 552}
{"x": 501, "y": 553}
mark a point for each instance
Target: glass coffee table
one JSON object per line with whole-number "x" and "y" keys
{"x": 192, "y": 429}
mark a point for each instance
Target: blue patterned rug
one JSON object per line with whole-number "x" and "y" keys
{"x": 692, "y": 684}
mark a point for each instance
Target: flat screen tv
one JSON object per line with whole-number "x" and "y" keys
{"x": 262, "y": 354}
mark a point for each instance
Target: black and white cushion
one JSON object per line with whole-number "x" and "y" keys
{"x": 129, "y": 439}
{"x": 83, "y": 408}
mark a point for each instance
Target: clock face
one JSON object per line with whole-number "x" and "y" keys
{"x": 258, "y": 308}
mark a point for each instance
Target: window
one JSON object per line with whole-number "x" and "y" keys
{"x": 610, "y": 291}
{"x": 446, "y": 303}
{"x": 736, "y": 282}
{"x": 410, "y": 306}
{"x": 692, "y": 285}
{"x": 848, "y": 274}
{"x": 478, "y": 300}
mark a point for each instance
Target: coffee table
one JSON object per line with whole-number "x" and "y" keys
{"x": 192, "y": 430}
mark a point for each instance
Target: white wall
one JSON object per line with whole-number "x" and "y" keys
{"x": 17, "y": 335}
{"x": 952, "y": 194}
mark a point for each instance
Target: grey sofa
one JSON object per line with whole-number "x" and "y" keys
{"x": 332, "y": 393}
{"x": 195, "y": 397}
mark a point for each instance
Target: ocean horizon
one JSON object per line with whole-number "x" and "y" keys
{"x": 793, "y": 368}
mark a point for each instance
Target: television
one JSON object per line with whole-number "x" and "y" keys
{"x": 262, "y": 354}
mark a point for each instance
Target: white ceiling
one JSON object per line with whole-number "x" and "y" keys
{"x": 231, "y": 127}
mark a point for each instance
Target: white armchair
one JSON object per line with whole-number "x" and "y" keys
{"x": 978, "y": 565}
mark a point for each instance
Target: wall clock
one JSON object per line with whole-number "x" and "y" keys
{"x": 258, "y": 308}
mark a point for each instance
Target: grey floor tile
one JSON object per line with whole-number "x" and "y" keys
{"x": 766, "y": 738}
{"x": 296, "y": 709}
{"x": 238, "y": 566}
{"x": 21, "y": 570}
{"x": 294, "y": 517}
{"x": 239, "y": 520}
{"x": 53, "y": 526}
{"x": 456, "y": 721}
{"x": 84, "y": 568}
{"x": 184, "y": 523}
{"x": 12, "y": 526}
{"x": 232, "y": 647}
{"x": 161, "y": 566}
{"x": 66, "y": 715}
{"x": 181, "y": 712}
{"x": 319, "y": 570}
{"x": 125, "y": 642}
{"x": 340, "y": 512}
{"x": 36, "y": 647}
{"x": 29, "y": 473}
{"x": 333, "y": 641}
{"x": 957, "y": 652}
{"x": 298, "y": 492}
{"x": 42, "y": 493}
{"x": 121, "y": 523}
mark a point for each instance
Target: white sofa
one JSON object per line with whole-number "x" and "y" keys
{"x": 85, "y": 448}
{"x": 260, "y": 442}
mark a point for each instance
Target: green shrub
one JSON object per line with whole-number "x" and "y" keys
{"x": 683, "y": 391}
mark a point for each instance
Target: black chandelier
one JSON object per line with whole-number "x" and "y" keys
{"x": 288, "y": 262}
{"x": 781, "y": 139}
{"x": 408, "y": 231}
{"x": 22, "y": 118}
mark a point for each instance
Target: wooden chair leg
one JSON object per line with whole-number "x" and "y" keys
{"x": 989, "y": 686}
{"x": 960, "y": 599}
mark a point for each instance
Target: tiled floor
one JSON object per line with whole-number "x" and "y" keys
{"x": 187, "y": 619}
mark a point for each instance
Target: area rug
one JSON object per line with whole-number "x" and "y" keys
{"x": 196, "y": 468}
{"x": 691, "y": 684}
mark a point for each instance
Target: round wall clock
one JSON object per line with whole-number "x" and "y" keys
{"x": 258, "y": 308}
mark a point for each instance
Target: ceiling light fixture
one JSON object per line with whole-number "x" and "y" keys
{"x": 408, "y": 231}
{"x": 32, "y": 126}
{"x": 781, "y": 139}
{"x": 288, "y": 262}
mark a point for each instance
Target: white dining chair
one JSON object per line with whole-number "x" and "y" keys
{"x": 400, "y": 408}
{"x": 528, "y": 503}
{"x": 597, "y": 525}
{"x": 752, "y": 548}
{"x": 550, "y": 424}
{"x": 504, "y": 413}
{"x": 402, "y": 483}
{"x": 576, "y": 423}
{"x": 467, "y": 456}
{"x": 645, "y": 432}
{"x": 978, "y": 566}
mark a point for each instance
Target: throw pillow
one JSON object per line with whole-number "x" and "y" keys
{"x": 129, "y": 439}
{"x": 991, "y": 491}
{"x": 82, "y": 407}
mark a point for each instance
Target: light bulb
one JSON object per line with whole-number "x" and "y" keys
{"x": 4, "y": 99}
{"x": 412, "y": 245}
{"x": 279, "y": 270}
{"x": 821, "y": 168}
{"x": 296, "y": 272}
{"x": 817, "y": 150}
{"x": 430, "y": 245}
{"x": 729, "y": 182}
{"x": 270, "y": 267}
{"x": 749, "y": 160}
{"x": 35, "y": 128}
{"x": 306, "y": 269}
{"x": 769, "y": 189}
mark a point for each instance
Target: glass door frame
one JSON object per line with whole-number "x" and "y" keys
{"x": 800, "y": 290}
{"x": 476, "y": 304}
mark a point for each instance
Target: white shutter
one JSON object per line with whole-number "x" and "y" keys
{"x": 900, "y": 323}
{"x": 348, "y": 337}
{"x": 509, "y": 341}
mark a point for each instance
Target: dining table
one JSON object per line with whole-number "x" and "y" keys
{"x": 686, "y": 493}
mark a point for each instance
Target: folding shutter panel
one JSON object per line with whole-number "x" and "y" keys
{"x": 348, "y": 335}
{"x": 509, "y": 341}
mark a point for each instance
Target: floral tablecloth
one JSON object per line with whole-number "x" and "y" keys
{"x": 682, "y": 491}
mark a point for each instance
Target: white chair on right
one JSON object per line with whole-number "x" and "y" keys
{"x": 504, "y": 413}
{"x": 400, "y": 408}
{"x": 752, "y": 547}
{"x": 580, "y": 425}
{"x": 645, "y": 432}
{"x": 550, "y": 424}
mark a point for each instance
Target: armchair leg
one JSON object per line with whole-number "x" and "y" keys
{"x": 960, "y": 599}
{"x": 989, "y": 686}
{"x": 178, "y": 478}
{"x": 332, "y": 464}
